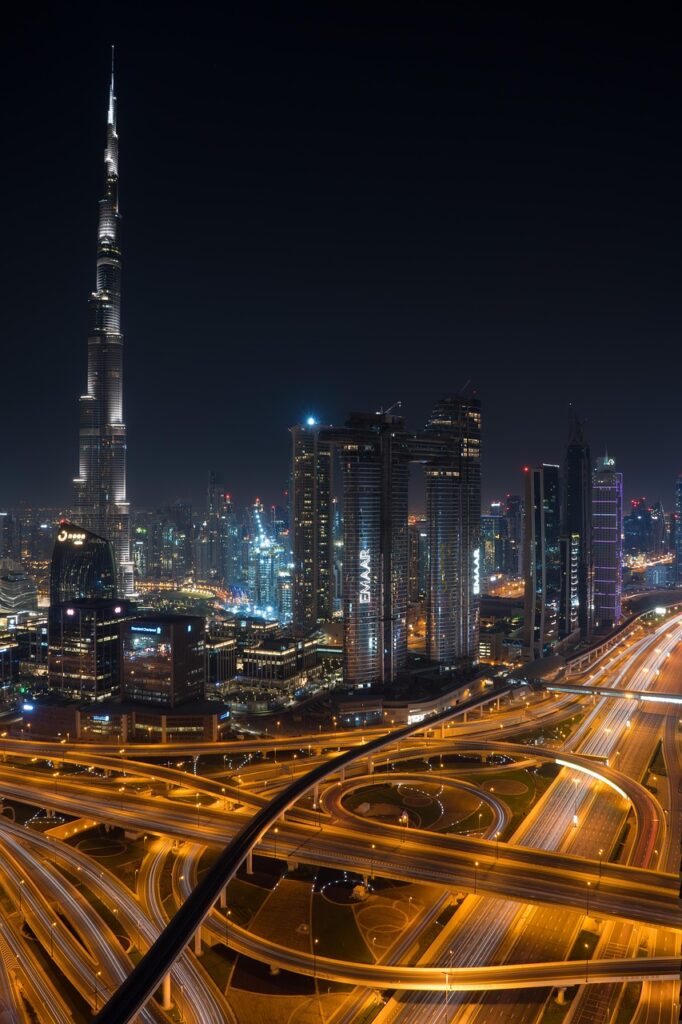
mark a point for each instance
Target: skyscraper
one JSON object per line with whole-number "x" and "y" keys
{"x": 230, "y": 538}
{"x": 576, "y": 555}
{"x": 101, "y": 503}
{"x": 312, "y": 527}
{"x": 376, "y": 451}
{"x": 678, "y": 530}
{"x": 82, "y": 567}
{"x": 515, "y": 525}
{"x": 418, "y": 560}
{"x": 607, "y": 543}
{"x": 375, "y": 454}
{"x": 542, "y": 561}
{"x": 453, "y": 504}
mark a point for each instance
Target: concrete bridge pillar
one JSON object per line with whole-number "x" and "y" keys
{"x": 561, "y": 996}
{"x": 223, "y": 898}
{"x": 370, "y": 764}
{"x": 249, "y": 862}
{"x": 197, "y": 941}
{"x": 342, "y": 773}
{"x": 166, "y": 1000}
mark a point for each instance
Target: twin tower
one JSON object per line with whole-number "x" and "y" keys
{"x": 375, "y": 451}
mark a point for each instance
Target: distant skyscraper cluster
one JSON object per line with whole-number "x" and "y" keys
{"x": 502, "y": 539}
{"x": 383, "y": 561}
{"x": 340, "y": 546}
{"x": 573, "y": 553}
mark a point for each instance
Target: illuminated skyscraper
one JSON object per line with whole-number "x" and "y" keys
{"x": 515, "y": 526}
{"x": 418, "y": 560}
{"x": 607, "y": 543}
{"x": 375, "y": 455}
{"x": 542, "y": 561}
{"x": 453, "y": 511}
{"x": 376, "y": 451}
{"x": 678, "y": 530}
{"x": 101, "y": 502}
{"x": 311, "y": 525}
{"x": 575, "y": 610}
{"x": 230, "y": 537}
{"x": 82, "y": 567}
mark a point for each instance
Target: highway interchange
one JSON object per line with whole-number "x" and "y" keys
{"x": 525, "y": 893}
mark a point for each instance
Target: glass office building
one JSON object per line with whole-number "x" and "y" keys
{"x": 311, "y": 518}
{"x": 453, "y": 502}
{"x": 163, "y": 659}
{"x": 542, "y": 561}
{"x": 82, "y": 566}
{"x": 607, "y": 544}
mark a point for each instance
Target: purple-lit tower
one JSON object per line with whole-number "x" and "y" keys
{"x": 607, "y": 543}
{"x": 101, "y": 502}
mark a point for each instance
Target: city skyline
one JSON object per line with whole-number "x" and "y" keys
{"x": 341, "y": 683}
{"x": 488, "y": 289}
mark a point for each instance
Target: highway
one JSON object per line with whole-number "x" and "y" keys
{"x": 522, "y": 932}
{"x": 512, "y": 885}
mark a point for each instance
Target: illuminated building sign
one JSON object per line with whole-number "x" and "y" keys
{"x": 365, "y": 576}
{"x": 145, "y": 629}
{"x": 477, "y": 571}
{"x": 73, "y": 535}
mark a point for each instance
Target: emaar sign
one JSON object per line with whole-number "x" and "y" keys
{"x": 365, "y": 576}
{"x": 476, "y": 588}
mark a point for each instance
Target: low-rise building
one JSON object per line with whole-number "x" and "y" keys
{"x": 163, "y": 660}
{"x": 286, "y": 664}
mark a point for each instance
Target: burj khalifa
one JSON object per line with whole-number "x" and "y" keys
{"x": 101, "y": 503}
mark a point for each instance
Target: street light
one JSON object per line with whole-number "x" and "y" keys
{"x": 96, "y": 987}
{"x": 52, "y": 928}
{"x": 601, "y": 854}
{"x": 475, "y": 876}
{"x": 21, "y": 889}
{"x": 497, "y": 845}
{"x": 587, "y": 962}
{"x": 275, "y": 835}
{"x": 315, "y": 942}
{"x": 587, "y": 898}
{"x": 371, "y": 862}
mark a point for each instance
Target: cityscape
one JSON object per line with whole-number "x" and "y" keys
{"x": 397, "y": 738}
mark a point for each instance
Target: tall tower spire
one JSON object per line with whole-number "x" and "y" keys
{"x": 101, "y": 503}
{"x": 111, "y": 116}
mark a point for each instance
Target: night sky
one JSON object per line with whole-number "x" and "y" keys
{"x": 328, "y": 208}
